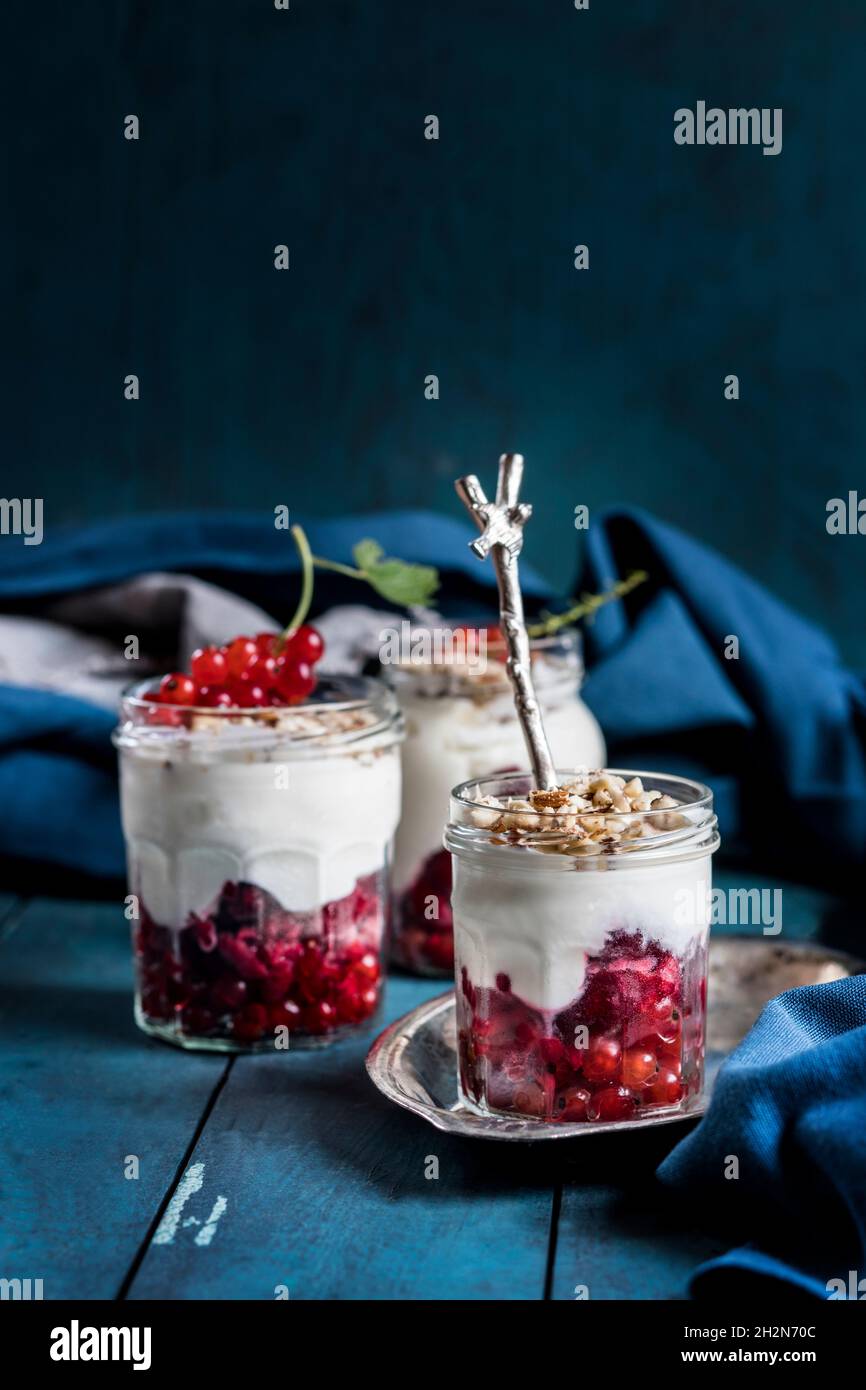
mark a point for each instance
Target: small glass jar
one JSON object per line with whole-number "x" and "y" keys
{"x": 258, "y": 845}
{"x": 581, "y": 965}
{"x": 461, "y": 723}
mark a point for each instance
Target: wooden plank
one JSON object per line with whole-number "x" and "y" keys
{"x": 81, "y": 1089}
{"x": 618, "y": 1235}
{"x": 306, "y": 1178}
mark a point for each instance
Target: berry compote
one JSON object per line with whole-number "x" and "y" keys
{"x": 425, "y": 940}
{"x": 631, "y": 1042}
{"x": 249, "y": 972}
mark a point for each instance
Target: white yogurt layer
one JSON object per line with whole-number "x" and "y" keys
{"x": 539, "y": 927}
{"x": 450, "y": 739}
{"x": 304, "y": 830}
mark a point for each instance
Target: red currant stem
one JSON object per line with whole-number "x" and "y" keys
{"x": 338, "y": 568}
{"x": 309, "y": 562}
{"x": 303, "y": 608}
{"x": 588, "y": 604}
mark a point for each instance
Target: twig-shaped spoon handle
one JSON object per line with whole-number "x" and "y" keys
{"x": 501, "y": 525}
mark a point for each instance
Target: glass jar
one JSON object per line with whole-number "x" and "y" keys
{"x": 581, "y": 964}
{"x": 461, "y": 723}
{"x": 258, "y": 845}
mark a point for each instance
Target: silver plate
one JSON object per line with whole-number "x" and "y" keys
{"x": 414, "y": 1061}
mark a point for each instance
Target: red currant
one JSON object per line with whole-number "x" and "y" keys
{"x": 307, "y": 644}
{"x": 666, "y": 1089}
{"x": 530, "y": 1100}
{"x": 285, "y": 1015}
{"x": 265, "y": 642}
{"x": 368, "y": 1001}
{"x": 295, "y": 681}
{"x": 264, "y": 670}
{"x": 228, "y": 994}
{"x": 178, "y": 689}
{"x": 638, "y": 1065}
{"x": 277, "y": 985}
{"x": 248, "y": 694}
{"x": 209, "y": 666}
{"x": 215, "y": 697}
{"x": 240, "y": 655}
{"x": 602, "y": 1059}
{"x": 250, "y": 1023}
{"x": 321, "y": 1017}
{"x": 613, "y": 1103}
{"x": 491, "y": 638}
{"x": 552, "y": 1051}
{"x": 165, "y": 717}
{"x": 571, "y": 1104}
{"x": 662, "y": 1010}
{"x": 367, "y": 968}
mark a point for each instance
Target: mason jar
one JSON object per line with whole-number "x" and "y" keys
{"x": 580, "y": 930}
{"x": 258, "y": 846}
{"x": 461, "y": 723}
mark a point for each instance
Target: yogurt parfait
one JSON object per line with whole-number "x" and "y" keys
{"x": 258, "y": 842}
{"x": 581, "y": 921}
{"x": 461, "y": 723}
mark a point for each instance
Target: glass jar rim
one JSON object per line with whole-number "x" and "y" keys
{"x": 568, "y": 639}
{"x": 703, "y": 795}
{"x": 482, "y": 676}
{"x": 697, "y": 838}
{"x": 265, "y": 726}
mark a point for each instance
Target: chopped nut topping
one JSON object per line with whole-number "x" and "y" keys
{"x": 297, "y": 724}
{"x": 595, "y": 813}
{"x": 550, "y": 800}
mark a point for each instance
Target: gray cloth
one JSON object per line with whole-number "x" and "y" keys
{"x": 78, "y": 647}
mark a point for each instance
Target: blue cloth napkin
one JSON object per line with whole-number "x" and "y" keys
{"x": 783, "y": 723}
{"x": 789, "y": 1108}
{"x": 244, "y": 552}
{"x": 58, "y": 783}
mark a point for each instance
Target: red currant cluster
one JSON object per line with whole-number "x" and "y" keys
{"x": 269, "y": 669}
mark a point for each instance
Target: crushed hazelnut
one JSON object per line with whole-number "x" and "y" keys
{"x": 525, "y": 820}
{"x": 294, "y": 724}
{"x": 549, "y": 800}
{"x": 594, "y": 813}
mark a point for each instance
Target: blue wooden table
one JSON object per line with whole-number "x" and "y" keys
{"x": 131, "y": 1168}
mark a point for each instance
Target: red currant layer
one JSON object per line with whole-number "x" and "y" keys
{"x": 631, "y": 1043}
{"x": 250, "y": 968}
{"x": 423, "y": 935}
{"x": 248, "y": 673}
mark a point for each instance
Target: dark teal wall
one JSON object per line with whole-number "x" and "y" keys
{"x": 454, "y": 257}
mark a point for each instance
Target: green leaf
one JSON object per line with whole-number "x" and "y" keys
{"x": 395, "y": 580}
{"x": 367, "y": 553}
